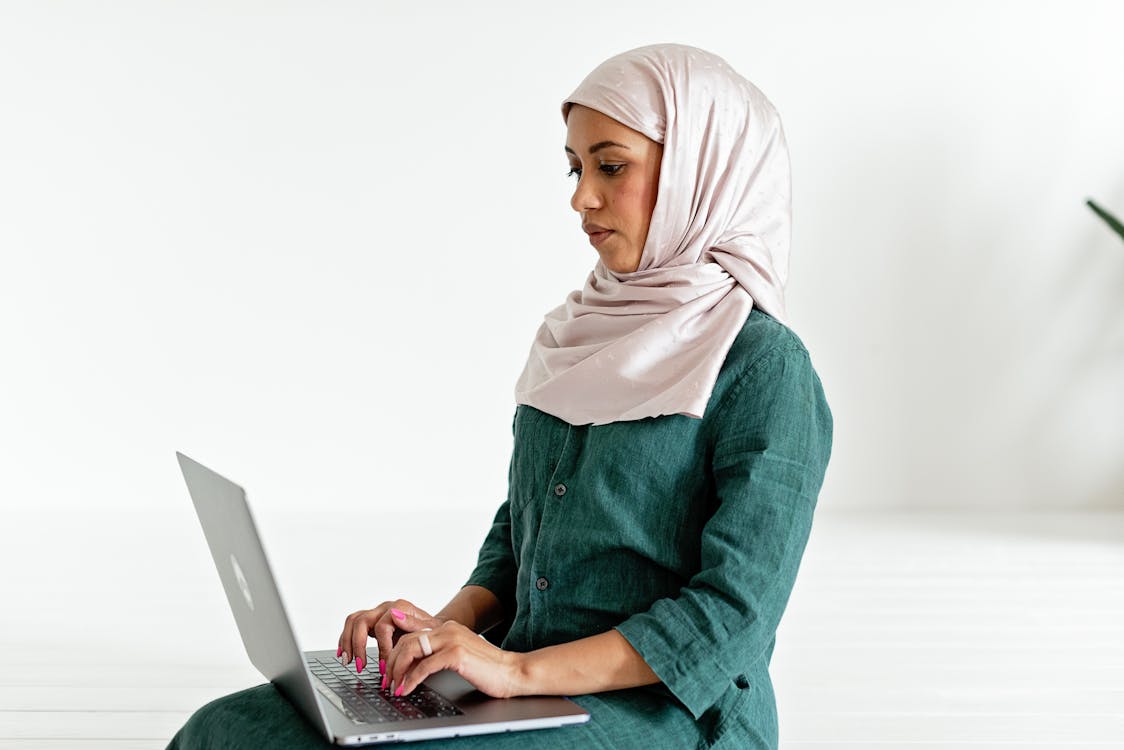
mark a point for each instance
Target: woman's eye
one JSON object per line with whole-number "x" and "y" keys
{"x": 609, "y": 169}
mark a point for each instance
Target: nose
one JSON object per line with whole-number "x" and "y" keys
{"x": 586, "y": 196}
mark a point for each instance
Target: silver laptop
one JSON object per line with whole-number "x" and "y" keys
{"x": 348, "y": 708}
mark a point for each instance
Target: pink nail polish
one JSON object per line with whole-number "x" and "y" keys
{"x": 339, "y": 651}
{"x": 358, "y": 664}
{"x": 382, "y": 667}
{"x": 398, "y": 692}
{"x": 398, "y": 614}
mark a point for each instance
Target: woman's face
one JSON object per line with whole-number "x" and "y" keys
{"x": 618, "y": 171}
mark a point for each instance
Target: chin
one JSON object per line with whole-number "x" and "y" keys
{"x": 617, "y": 267}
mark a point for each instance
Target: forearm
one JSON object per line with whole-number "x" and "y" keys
{"x": 475, "y": 607}
{"x": 590, "y": 665}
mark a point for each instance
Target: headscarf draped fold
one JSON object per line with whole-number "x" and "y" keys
{"x": 643, "y": 344}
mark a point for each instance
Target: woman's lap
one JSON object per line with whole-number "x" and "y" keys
{"x": 261, "y": 718}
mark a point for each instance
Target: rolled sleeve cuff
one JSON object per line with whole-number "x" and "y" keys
{"x": 678, "y": 654}
{"x": 494, "y": 578}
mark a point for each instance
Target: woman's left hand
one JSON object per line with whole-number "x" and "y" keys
{"x": 491, "y": 670}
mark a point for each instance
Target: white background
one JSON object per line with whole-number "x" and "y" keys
{"x": 309, "y": 243}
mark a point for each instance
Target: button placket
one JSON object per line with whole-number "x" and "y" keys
{"x": 543, "y": 565}
{"x": 567, "y": 460}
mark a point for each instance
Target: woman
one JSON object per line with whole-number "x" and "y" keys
{"x": 670, "y": 440}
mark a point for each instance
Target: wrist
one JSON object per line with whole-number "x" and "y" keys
{"x": 521, "y": 671}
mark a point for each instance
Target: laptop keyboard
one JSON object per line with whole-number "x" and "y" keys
{"x": 365, "y": 702}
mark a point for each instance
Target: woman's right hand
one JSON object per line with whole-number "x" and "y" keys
{"x": 382, "y": 623}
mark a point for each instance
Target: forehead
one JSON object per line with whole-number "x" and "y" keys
{"x": 585, "y": 126}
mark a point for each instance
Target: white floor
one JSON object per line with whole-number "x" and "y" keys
{"x": 905, "y": 629}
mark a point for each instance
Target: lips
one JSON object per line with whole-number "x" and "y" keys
{"x": 597, "y": 237}
{"x": 596, "y": 232}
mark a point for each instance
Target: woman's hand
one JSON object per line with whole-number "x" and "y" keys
{"x": 380, "y": 623}
{"x": 491, "y": 670}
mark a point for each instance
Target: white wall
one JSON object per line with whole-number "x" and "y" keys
{"x": 309, "y": 243}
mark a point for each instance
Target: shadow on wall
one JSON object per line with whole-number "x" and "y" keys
{"x": 1086, "y": 382}
{"x": 1009, "y": 361}
{"x": 1020, "y": 404}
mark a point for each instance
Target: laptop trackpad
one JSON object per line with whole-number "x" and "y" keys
{"x": 480, "y": 706}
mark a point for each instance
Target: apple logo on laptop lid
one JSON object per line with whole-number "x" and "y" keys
{"x": 242, "y": 581}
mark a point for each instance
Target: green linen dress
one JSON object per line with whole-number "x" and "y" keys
{"x": 683, "y": 534}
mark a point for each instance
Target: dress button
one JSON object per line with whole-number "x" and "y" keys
{"x": 741, "y": 681}
{"x": 560, "y": 489}
{"x": 542, "y": 584}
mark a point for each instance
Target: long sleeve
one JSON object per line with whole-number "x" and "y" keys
{"x": 496, "y": 566}
{"x": 771, "y": 442}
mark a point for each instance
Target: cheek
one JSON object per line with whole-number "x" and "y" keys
{"x": 633, "y": 202}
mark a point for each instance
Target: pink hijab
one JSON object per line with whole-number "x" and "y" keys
{"x": 651, "y": 342}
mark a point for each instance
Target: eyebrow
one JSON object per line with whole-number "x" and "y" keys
{"x": 598, "y": 146}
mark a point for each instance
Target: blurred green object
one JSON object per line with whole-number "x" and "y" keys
{"x": 1109, "y": 219}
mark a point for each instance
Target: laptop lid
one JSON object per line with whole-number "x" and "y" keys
{"x": 267, "y": 635}
{"x": 253, "y": 595}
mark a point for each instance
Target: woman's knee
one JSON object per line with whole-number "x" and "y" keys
{"x": 257, "y": 717}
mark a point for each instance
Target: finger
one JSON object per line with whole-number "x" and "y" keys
{"x": 394, "y": 659}
{"x": 399, "y": 616}
{"x": 406, "y": 654}
{"x": 407, "y": 618}
{"x": 343, "y": 647}
{"x": 360, "y": 632}
{"x": 384, "y": 632}
{"x": 422, "y": 669}
{"x": 340, "y": 640}
{"x": 390, "y": 659}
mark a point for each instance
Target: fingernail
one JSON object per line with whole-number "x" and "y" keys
{"x": 382, "y": 667}
{"x": 398, "y": 615}
{"x": 339, "y": 651}
{"x": 346, "y": 658}
{"x": 358, "y": 664}
{"x": 398, "y": 692}
{"x": 392, "y": 686}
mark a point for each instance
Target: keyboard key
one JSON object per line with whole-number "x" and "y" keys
{"x": 365, "y": 702}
